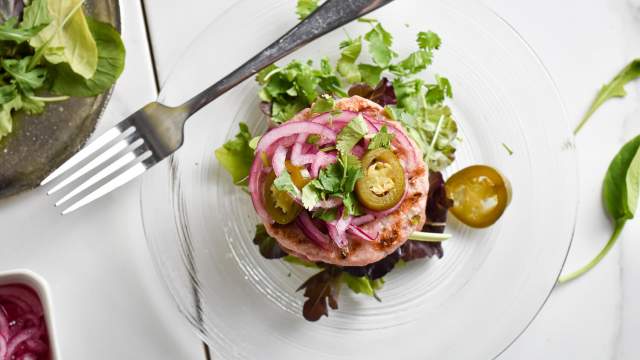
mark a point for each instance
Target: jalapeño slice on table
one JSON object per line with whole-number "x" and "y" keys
{"x": 480, "y": 195}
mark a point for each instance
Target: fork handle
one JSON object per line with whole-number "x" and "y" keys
{"x": 331, "y": 15}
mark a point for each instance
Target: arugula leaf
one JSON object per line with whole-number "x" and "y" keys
{"x": 613, "y": 89}
{"x": 7, "y": 93}
{"x": 305, "y": 7}
{"x": 6, "y": 121}
{"x": 351, "y": 134}
{"x": 236, "y": 156}
{"x": 284, "y": 183}
{"x": 27, "y": 81}
{"x": 346, "y": 65}
{"x": 382, "y": 139}
{"x": 267, "y": 245}
{"x": 10, "y": 31}
{"x": 111, "y": 59}
{"x": 324, "y": 103}
{"x": 380, "y": 45}
{"x": 620, "y": 193}
{"x": 69, "y": 31}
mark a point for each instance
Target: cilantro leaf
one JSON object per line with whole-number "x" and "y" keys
{"x": 380, "y": 46}
{"x": 330, "y": 179}
{"x": 236, "y": 155}
{"x": 351, "y": 134}
{"x": 284, "y": 183}
{"x": 305, "y": 7}
{"x": 370, "y": 74}
{"x": 324, "y": 103}
{"x": 428, "y": 40}
{"x": 413, "y": 64}
{"x": 346, "y": 65}
{"x": 295, "y": 86}
{"x": 381, "y": 140}
{"x": 437, "y": 92}
{"x": 352, "y": 171}
{"x": 311, "y": 194}
{"x": 351, "y": 204}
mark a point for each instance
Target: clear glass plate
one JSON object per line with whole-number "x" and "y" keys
{"x": 472, "y": 303}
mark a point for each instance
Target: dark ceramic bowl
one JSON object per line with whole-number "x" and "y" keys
{"x": 39, "y": 144}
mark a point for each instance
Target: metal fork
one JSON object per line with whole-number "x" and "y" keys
{"x": 156, "y": 131}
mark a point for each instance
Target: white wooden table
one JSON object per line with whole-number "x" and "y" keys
{"x": 110, "y": 304}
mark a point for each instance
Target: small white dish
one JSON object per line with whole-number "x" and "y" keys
{"x": 39, "y": 285}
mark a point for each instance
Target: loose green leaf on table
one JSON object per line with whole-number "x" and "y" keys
{"x": 620, "y": 195}
{"x": 613, "y": 89}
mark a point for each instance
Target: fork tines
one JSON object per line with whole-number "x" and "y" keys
{"x": 111, "y": 160}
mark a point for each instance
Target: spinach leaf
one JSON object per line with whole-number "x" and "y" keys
{"x": 69, "y": 32}
{"x": 620, "y": 195}
{"x": 111, "y": 58}
{"x": 613, "y": 89}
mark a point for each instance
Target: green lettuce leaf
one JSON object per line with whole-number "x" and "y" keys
{"x": 69, "y": 31}
{"x": 236, "y": 156}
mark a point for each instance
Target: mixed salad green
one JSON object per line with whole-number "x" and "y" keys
{"x": 50, "y": 50}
